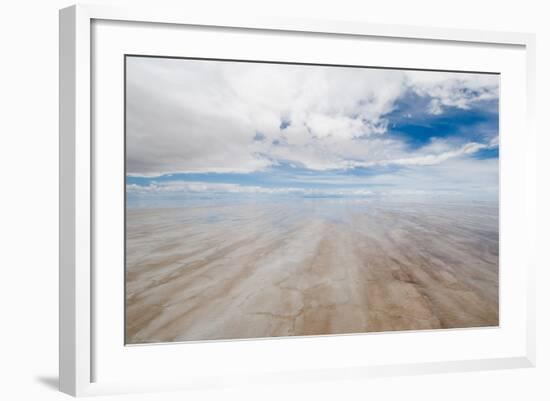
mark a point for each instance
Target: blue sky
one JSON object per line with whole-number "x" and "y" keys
{"x": 225, "y": 128}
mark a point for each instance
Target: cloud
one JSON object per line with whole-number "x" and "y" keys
{"x": 187, "y": 187}
{"x": 200, "y": 187}
{"x": 456, "y": 177}
{"x": 203, "y": 116}
{"x": 430, "y": 159}
{"x": 465, "y": 177}
{"x": 453, "y": 90}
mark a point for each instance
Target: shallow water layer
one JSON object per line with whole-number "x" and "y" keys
{"x": 309, "y": 267}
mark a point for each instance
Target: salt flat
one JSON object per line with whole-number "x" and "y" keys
{"x": 310, "y": 267}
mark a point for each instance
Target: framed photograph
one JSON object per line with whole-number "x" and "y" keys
{"x": 274, "y": 200}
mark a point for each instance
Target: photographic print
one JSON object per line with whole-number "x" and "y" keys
{"x": 270, "y": 199}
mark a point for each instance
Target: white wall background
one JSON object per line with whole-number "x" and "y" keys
{"x": 29, "y": 208}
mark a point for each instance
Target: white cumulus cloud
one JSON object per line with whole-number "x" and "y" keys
{"x": 204, "y": 116}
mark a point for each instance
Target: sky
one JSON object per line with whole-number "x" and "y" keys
{"x": 224, "y": 128}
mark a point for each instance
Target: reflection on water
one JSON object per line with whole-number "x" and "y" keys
{"x": 287, "y": 213}
{"x": 248, "y": 267}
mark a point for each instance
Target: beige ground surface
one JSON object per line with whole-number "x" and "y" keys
{"x": 309, "y": 268}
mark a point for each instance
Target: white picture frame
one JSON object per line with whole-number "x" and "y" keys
{"x": 78, "y": 163}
